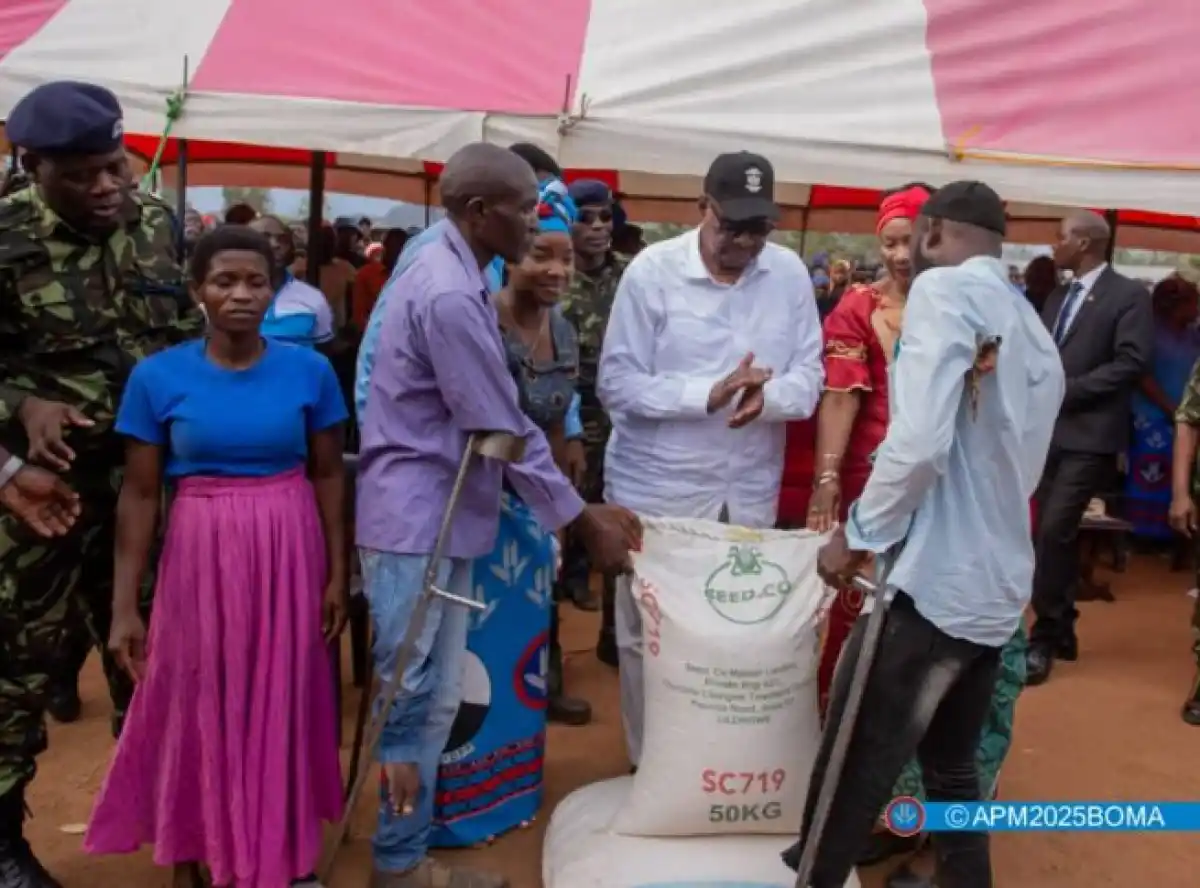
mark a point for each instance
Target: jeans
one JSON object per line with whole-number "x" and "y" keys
{"x": 928, "y": 694}
{"x": 419, "y": 724}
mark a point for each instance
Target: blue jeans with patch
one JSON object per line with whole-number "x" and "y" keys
{"x": 419, "y": 724}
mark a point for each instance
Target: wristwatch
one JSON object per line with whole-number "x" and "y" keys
{"x": 10, "y": 468}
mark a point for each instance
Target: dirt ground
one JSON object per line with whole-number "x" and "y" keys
{"x": 1107, "y": 727}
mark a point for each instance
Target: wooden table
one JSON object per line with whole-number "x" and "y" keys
{"x": 1095, "y": 534}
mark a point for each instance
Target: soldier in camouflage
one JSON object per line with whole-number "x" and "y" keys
{"x": 15, "y": 180}
{"x": 62, "y": 695}
{"x": 1185, "y": 515}
{"x": 89, "y": 284}
{"x": 587, "y": 305}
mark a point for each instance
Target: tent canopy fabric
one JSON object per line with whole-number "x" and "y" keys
{"x": 1052, "y": 102}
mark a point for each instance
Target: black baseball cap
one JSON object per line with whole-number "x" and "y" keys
{"x": 972, "y": 203}
{"x": 743, "y": 185}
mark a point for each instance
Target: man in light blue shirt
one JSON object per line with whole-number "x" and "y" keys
{"x": 975, "y": 392}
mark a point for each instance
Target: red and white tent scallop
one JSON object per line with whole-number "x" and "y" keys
{"x": 1051, "y": 101}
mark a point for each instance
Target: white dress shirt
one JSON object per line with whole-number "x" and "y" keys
{"x": 1087, "y": 283}
{"x": 672, "y": 335}
{"x": 952, "y": 482}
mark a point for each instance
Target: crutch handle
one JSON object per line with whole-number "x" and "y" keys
{"x": 865, "y": 586}
{"x": 498, "y": 445}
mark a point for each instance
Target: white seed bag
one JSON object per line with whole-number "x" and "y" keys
{"x": 581, "y": 852}
{"x": 730, "y": 643}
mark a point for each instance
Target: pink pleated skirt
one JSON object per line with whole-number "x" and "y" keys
{"x": 229, "y": 753}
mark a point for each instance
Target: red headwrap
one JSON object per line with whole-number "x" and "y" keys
{"x": 901, "y": 205}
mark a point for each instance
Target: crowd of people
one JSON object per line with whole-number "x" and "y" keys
{"x": 173, "y": 481}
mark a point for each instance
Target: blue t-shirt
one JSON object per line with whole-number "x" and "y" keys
{"x": 232, "y": 423}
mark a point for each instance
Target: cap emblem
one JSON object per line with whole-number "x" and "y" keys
{"x": 754, "y": 180}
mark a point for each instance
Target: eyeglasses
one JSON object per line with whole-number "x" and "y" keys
{"x": 591, "y": 217}
{"x": 752, "y": 227}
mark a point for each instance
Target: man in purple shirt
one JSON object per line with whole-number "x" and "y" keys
{"x": 441, "y": 373}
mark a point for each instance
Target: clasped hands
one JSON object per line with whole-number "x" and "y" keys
{"x": 36, "y": 495}
{"x": 747, "y": 384}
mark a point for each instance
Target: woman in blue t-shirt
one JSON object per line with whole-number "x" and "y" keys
{"x": 229, "y": 754}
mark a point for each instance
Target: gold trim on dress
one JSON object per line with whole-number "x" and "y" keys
{"x": 837, "y": 348}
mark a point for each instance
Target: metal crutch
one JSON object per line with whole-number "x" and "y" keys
{"x": 493, "y": 445}
{"x": 883, "y": 593}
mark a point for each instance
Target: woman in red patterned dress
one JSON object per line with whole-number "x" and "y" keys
{"x": 861, "y": 334}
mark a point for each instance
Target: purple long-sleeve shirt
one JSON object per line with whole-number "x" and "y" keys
{"x": 440, "y": 373}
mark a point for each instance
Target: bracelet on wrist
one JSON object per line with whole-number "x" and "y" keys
{"x": 827, "y": 478}
{"x": 9, "y": 470}
{"x": 830, "y": 462}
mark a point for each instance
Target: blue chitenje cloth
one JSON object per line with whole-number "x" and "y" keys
{"x": 1148, "y": 482}
{"x": 490, "y": 779}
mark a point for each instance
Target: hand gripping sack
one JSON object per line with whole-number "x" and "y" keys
{"x": 730, "y": 646}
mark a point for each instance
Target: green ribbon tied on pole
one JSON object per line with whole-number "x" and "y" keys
{"x": 175, "y": 102}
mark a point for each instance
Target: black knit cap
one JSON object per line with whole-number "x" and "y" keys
{"x": 972, "y": 203}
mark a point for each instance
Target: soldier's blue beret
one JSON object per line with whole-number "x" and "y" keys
{"x": 67, "y": 117}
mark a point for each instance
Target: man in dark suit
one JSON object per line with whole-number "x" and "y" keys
{"x": 1103, "y": 324}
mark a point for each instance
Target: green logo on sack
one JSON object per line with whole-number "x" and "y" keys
{"x": 747, "y": 588}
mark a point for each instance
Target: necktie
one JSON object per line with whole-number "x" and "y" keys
{"x": 1062, "y": 324}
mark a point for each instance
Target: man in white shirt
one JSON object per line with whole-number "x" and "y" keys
{"x": 713, "y": 343}
{"x": 975, "y": 391}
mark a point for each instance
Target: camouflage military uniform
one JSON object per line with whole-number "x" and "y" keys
{"x": 75, "y": 316}
{"x": 587, "y": 305}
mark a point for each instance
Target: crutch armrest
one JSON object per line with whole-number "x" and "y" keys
{"x": 498, "y": 445}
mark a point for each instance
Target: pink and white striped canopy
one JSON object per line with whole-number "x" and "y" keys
{"x": 1052, "y": 101}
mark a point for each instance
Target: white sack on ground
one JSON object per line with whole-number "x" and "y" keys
{"x": 581, "y": 852}
{"x": 730, "y": 648}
